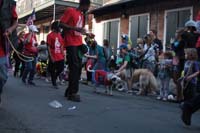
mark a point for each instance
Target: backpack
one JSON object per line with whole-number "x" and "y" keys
{"x": 134, "y": 61}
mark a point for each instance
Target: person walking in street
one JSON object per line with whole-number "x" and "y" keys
{"x": 8, "y": 24}
{"x": 188, "y": 108}
{"x": 18, "y": 61}
{"x": 30, "y": 49}
{"x": 56, "y": 53}
{"x": 72, "y": 22}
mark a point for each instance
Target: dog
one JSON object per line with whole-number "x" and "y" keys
{"x": 147, "y": 81}
{"x": 108, "y": 79}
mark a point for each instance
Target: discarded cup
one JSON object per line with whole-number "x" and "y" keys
{"x": 72, "y": 108}
{"x": 55, "y": 104}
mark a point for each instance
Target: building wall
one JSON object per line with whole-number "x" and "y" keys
{"x": 157, "y": 14}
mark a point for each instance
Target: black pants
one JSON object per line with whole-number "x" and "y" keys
{"x": 74, "y": 62}
{"x": 55, "y": 69}
{"x": 193, "y": 104}
{"x": 18, "y": 61}
{"x": 189, "y": 91}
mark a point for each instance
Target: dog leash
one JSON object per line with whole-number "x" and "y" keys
{"x": 29, "y": 59}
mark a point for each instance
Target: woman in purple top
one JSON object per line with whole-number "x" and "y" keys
{"x": 191, "y": 69}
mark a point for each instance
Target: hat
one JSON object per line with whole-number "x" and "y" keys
{"x": 123, "y": 46}
{"x": 191, "y": 23}
{"x": 124, "y": 36}
{"x": 33, "y": 28}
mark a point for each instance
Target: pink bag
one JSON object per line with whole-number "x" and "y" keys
{"x": 175, "y": 60}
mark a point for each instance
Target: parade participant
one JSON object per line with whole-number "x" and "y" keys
{"x": 72, "y": 22}
{"x": 30, "y": 49}
{"x": 18, "y": 61}
{"x": 189, "y": 108}
{"x": 8, "y": 24}
{"x": 56, "y": 53}
{"x": 191, "y": 70}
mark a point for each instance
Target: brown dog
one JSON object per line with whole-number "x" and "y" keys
{"x": 147, "y": 81}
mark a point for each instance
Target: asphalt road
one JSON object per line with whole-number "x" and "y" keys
{"x": 26, "y": 109}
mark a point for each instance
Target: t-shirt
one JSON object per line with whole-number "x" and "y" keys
{"x": 190, "y": 39}
{"x": 178, "y": 48}
{"x": 159, "y": 43}
{"x": 150, "y": 55}
{"x": 32, "y": 42}
{"x": 100, "y": 53}
{"x": 72, "y": 17}
{"x": 55, "y": 42}
{"x": 14, "y": 17}
{"x": 128, "y": 59}
{"x": 42, "y": 52}
{"x": 188, "y": 70}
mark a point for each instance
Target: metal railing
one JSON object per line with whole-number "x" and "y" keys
{"x": 24, "y": 6}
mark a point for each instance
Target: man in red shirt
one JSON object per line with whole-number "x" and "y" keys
{"x": 72, "y": 22}
{"x": 8, "y": 24}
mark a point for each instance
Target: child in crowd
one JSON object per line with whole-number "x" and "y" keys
{"x": 191, "y": 70}
{"x": 55, "y": 45}
{"x": 139, "y": 47}
{"x": 164, "y": 74}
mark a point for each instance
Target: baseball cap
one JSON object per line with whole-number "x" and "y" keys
{"x": 33, "y": 28}
{"x": 123, "y": 46}
{"x": 191, "y": 23}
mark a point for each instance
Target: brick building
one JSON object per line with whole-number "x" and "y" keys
{"x": 137, "y": 17}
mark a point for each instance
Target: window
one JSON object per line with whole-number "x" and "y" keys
{"x": 111, "y": 32}
{"x": 175, "y": 19}
{"x": 139, "y": 26}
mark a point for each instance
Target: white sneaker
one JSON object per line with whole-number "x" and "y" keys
{"x": 159, "y": 98}
{"x": 164, "y": 99}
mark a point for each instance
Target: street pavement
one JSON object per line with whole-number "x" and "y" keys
{"x": 26, "y": 109}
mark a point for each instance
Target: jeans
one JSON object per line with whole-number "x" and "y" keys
{"x": 164, "y": 90}
{"x": 3, "y": 73}
{"x": 30, "y": 68}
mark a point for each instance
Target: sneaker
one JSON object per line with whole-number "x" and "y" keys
{"x": 186, "y": 115}
{"x": 164, "y": 99}
{"x": 31, "y": 83}
{"x": 74, "y": 98}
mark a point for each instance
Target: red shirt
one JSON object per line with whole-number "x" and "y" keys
{"x": 14, "y": 17}
{"x": 32, "y": 43}
{"x": 55, "y": 42}
{"x": 74, "y": 18}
